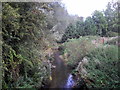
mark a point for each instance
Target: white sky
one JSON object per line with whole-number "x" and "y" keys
{"x": 84, "y": 7}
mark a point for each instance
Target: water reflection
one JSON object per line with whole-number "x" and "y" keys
{"x": 70, "y": 82}
{"x": 61, "y": 74}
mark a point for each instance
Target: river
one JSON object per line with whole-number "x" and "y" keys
{"x": 61, "y": 77}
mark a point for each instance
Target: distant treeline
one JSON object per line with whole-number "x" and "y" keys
{"x": 103, "y": 23}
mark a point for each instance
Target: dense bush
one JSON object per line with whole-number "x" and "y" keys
{"x": 111, "y": 34}
{"x": 78, "y": 48}
{"x": 103, "y": 60}
{"x": 103, "y": 67}
{"x": 24, "y": 64}
{"x": 114, "y": 41}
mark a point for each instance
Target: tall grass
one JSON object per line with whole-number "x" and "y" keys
{"x": 78, "y": 48}
{"x": 103, "y": 67}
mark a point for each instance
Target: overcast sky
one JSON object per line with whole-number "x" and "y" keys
{"x": 84, "y": 7}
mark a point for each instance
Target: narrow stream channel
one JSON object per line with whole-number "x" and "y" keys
{"x": 61, "y": 77}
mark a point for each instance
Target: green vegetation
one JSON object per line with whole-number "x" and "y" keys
{"x": 102, "y": 23}
{"x": 31, "y": 33}
{"x": 111, "y": 34}
{"x": 103, "y": 60}
{"x": 114, "y": 41}
{"x": 103, "y": 67}
{"x": 78, "y": 48}
{"x": 94, "y": 58}
{"x": 23, "y": 44}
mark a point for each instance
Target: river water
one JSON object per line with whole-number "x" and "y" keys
{"x": 61, "y": 77}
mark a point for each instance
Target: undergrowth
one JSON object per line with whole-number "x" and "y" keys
{"x": 78, "y": 48}
{"x": 103, "y": 67}
{"x": 103, "y": 61}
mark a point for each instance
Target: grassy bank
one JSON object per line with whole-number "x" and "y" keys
{"x": 101, "y": 67}
{"x": 76, "y": 49}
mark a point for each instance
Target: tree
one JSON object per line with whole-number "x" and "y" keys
{"x": 90, "y": 28}
{"x": 80, "y": 28}
{"x": 23, "y": 27}
{"x": 111, "y": 15}
{"x": 69, "y": 33}
{"x": 100, "y": 22}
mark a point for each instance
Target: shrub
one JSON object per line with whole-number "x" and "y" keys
{"x": 103, "y": 67}
{"x": 115, "y": 41}
{"x": 111, "y": 34}
{"x": 78, "y": 48}
{"x": 23, "y": 45}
